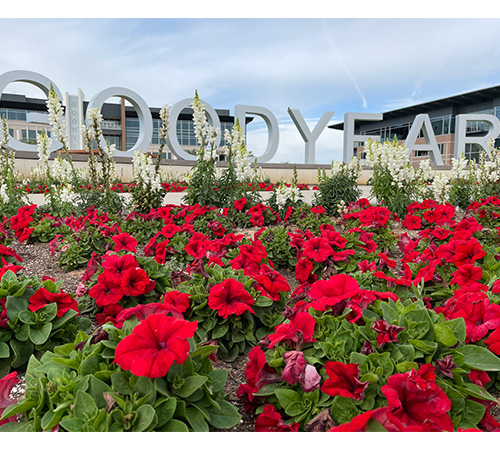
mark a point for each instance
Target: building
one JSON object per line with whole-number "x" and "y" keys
{"x": 442, "y": 114}
{"x": 26, "y": 117}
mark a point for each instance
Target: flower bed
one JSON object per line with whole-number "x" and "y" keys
{"x": 375, "y": 320}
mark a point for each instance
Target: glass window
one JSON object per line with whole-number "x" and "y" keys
{"x": 472, "y": 152}
{"x": 437, "y": 126}
{"x": 114, "y": 139}
{"x": 446, "y": 125}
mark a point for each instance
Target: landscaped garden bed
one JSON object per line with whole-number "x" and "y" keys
{"x": 230, "y": 313}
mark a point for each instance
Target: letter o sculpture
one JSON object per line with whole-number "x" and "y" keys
{"x": 173, "y": 141}
{"x": 143, "y": 112}
{"x": 40, "y": 81}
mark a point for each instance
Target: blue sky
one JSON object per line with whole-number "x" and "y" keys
{"x": 314, "y": 65}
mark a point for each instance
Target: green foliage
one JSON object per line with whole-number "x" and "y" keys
{"x": 78, "y": 387}
{"x": 32, "y": 332}
{"x": 340, "y": 187}
{"x": 460, "y": 193}
{"x": 235, "y": 335}
{"x": 277, "y": 244}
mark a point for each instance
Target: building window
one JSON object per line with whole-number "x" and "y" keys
{"x": 472, "y": 152}
{"x": 113, "y": 139}
{"x": 441, "y": 147}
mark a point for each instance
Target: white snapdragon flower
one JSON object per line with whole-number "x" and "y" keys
{"x": 459, "y": 167}
{"x": 144, "y": 172}
{"x": 43, "y": 145}
{"x": 56, "y": 119}
{"x": 165, "y": 117}
{"x": 3, "y": 193}
{"x": 441, "y": 188}
{"x": 94, "y": 117}
{"x": 61, "y": 170}
{"x": 67, "y": 195}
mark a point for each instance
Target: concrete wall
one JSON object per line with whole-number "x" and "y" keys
{"x": 175, "y": 169}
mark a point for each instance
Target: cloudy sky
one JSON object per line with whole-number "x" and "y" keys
{"x": 314, "y": 65}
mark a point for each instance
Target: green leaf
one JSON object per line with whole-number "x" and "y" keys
{"x": 475, "y": 391}
{"x": 22, "y": 351}
{"x": 51, "y": 419}
{"x": 473, "y": 413}
{"x": 165, "y": 410}
{"x": 220, "y": 331}
{"x": 225, "y": 417}
{"x": 84, "y": 405}
{"x": 40, "y": 336}
{"x": 204, "y": 351}
{"x": 196, "y": 420}
{"x": 145, "y": 416}
{"x": 175, "y": 426}
{"x": 4, "y": 350}
{"x": 74, "y": 425}
{"x": 191, "y": 384}
{"x": 444, "y": 334}
{"x": 287, "y": 396}
{"x": 218, "y": 377}
{"x": 295, "y": 409}
{"x": 374, "y": 426}
{"x": 480, "y": 358}
{"x": 458, "y": 328}
{"x": 15, "y": 305}
{"x": 96, "y": 390}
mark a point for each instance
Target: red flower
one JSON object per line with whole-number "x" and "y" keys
{"x": 343, "y": 380}
{"x": 230, "y": 297}
{"x": 295, "y": 366}
{"x": 318, "y": 249}
{"x": 240, "y": 204}
{"x": 117, "y": 265}
{"x": 154, "y": 345}
{"x": 124, "y": 241}
{"x": 303, "y": 270}
{"x": 258, "y": 373}
{"x": 271, "y": 283}
{"x": 6, "y": 385}
{"x": 43, "y": 297}
{"x": 386, "y": 333}
{"x": 468, "y": 252}
{"x": 366, "y": 266}
{"x": 493, "y": 342}
{"x": 270, "y": 420}
{"x": 417, "y": 399}
{"x": 466, "y": 274}
{"x": 176, "y": 300}
{"x": 328, "y": 293}
{"x": 412, "y": 222}
{"x": 106, "y": 291}
{"x": 298, "y": 331}
{"x": 136, "y": 282}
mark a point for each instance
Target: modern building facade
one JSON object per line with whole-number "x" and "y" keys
{"x": 442, "y": 115}
{"x": 26, "y": 117}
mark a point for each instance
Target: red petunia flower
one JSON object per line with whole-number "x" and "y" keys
{"x": 386, "y": 333}
{"x": 467, "y": 252}
{"x": 240, "y": 204}
{"x": 154, "y": 345}
{"x": 6, "y": 385}
{"x": 412, "y": 222}
{"x": 124, "y": 241}
{"x": 270, "y": 420}
{"x": 117, "y": 265}
{"x": 135, "y": 282}
{"x": 298, "y": 331}
{"x": 271, "y": 283}
{"x": 42, "y": 297}
{"x": 328, "y": 293}
{"x": 493, "y": 341}
{"x": 177, "y": 301}
{"x": 303, "y": 270}
{"x": 230, "y": 297}
{"x": 466, "y": 274}
{"x": 317, "y": 249}
{"x": 258, "y": 373}
{"x": 343, "y": 380}
{"x": 416, "y": 398}
{"x": 106, "y": 291}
